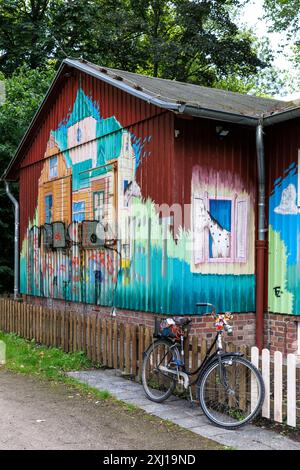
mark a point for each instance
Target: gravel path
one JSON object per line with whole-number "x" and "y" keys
{"x": 41, "y": 415}
{"x": 180, "y": 412}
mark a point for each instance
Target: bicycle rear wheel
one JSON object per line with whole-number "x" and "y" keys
{"x": 233, "y": 394}
{"x": 159, "y": 385}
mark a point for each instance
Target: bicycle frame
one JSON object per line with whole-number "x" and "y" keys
{"x": 209, "y": 358}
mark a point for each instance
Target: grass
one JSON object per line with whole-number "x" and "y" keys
{"x": 30, "y": 358}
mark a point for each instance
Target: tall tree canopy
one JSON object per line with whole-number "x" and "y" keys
{"x": 285, "y": 16}
{"x": 25, "y": 90}
{"x": 193, "y": 40}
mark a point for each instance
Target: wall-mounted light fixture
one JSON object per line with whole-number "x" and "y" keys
{"x": 177, "y": 133}
{"x": 221, "y": 132}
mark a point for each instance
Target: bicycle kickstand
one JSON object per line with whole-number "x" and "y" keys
{"x": 193, "y": 402}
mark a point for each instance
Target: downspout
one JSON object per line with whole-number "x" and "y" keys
{"x": 16, "y": 241}
{"x": 261, "y": 241}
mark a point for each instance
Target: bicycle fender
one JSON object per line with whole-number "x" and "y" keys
{"x": 218, "y": 357}
{"x": 150, "y": 345}
{"x": 239, "y": 354}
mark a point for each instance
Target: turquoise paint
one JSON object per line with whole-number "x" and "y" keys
{"x": 23, "y": 275}
{"x": 287, "y": 225}
{"x": 84, "y": 107}
{"x": 80, "y": 177}
{"x": 179, "y": 293}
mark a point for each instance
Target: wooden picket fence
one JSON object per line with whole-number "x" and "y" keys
{"x": 121, "y": 346}
{"x": 282, "y": 383}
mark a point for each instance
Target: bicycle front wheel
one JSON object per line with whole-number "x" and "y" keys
{"x": 157, "y": 379}
{"x": 231, "y": 394}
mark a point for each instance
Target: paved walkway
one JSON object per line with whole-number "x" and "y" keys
{"x": 180, "y": 412}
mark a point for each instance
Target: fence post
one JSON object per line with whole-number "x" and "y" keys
{"x": 99, "y": 332}
{"x": 134, "y": 349}
{"x": 104, "y": 342}
{"x": 141, "y": 349}
{"x": 265, "y": 368}
{"x": 254, "y": 390}
{"x": 291, "y": 390}
{"x": 278, "y": 386}
{"x": 127, "y": 348}
{"x": 115, "y": 344}
{"x": 121, "y": 346}
{"x": 93, "y": 335}
{"x": 109, "y": 343}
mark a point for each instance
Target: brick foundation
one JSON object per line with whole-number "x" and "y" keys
{"x": 280, "y": 331}
{"x": 243, "y": 332}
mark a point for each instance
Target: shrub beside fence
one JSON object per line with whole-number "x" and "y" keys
{"x": 121, "y": 346}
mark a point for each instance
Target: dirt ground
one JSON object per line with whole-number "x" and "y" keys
{"x": 43, "y": 415}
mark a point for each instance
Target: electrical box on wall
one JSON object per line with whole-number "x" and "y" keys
{"x": 91, "y": 236}
{"x": 46, "y": 236}
{"x": 59, "y": 235}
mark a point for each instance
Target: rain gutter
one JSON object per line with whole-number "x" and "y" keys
{"x": 16, "y": 240}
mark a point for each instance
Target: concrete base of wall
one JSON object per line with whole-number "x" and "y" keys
{"x": 280, "y": 330}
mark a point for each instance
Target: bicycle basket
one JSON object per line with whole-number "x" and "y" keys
{"x": 165, "y": 328}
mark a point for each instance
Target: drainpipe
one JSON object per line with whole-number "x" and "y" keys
{"x": 16, "y": 240}
{"x": 260, "y": 242}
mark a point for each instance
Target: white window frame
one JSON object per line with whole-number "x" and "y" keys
{"x": 53, "y": 171}
{"x": 78, "y": 212}
{"x": 201, "y": 255}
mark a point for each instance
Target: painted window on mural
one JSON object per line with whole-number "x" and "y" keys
{"x": 53, "y": 167}
{"x": 78, "y": 211}
{"x": 241, "y": 230}
{"x": 48, "y": 208}
{"x": 220, "y": 229}
{"x": 98, "y": 205}
{"x": 78, "y": 134}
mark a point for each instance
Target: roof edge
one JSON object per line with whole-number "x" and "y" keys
{"x": 117, "y": 84}
{"x": 180, "y": 108}
{"x": 221, "y": 116}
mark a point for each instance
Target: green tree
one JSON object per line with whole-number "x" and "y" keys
{"x": 189, "y": 40}
{"x": 284, "y": 16}
{"x": 24, "y": 92}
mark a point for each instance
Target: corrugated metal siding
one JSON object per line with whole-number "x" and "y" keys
{"x": 282, "y": 147}
{"x": 226, "y": 166}
{"x": 111, "y": 101}
{"x": 151, "y": 272}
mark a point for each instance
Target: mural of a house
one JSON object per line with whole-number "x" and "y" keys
{"x": 139, "y": 201}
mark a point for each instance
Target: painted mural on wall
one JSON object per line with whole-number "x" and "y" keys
{"x": 284, "y": 253}
{"x": 96, "y": 239}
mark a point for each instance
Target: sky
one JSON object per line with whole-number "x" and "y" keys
{"x": 252, "y": 16}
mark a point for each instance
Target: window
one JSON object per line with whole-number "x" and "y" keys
{"x": 48, "y": 208}
{"x": 78, "y": 135}
{"x": 78, "y": 211}
{"x": 53, "y": 167}
{"x": 98, "y": 205}
{"x": 220, "y": 229}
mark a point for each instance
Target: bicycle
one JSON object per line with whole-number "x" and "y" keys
{"x": 229, "y": 388}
